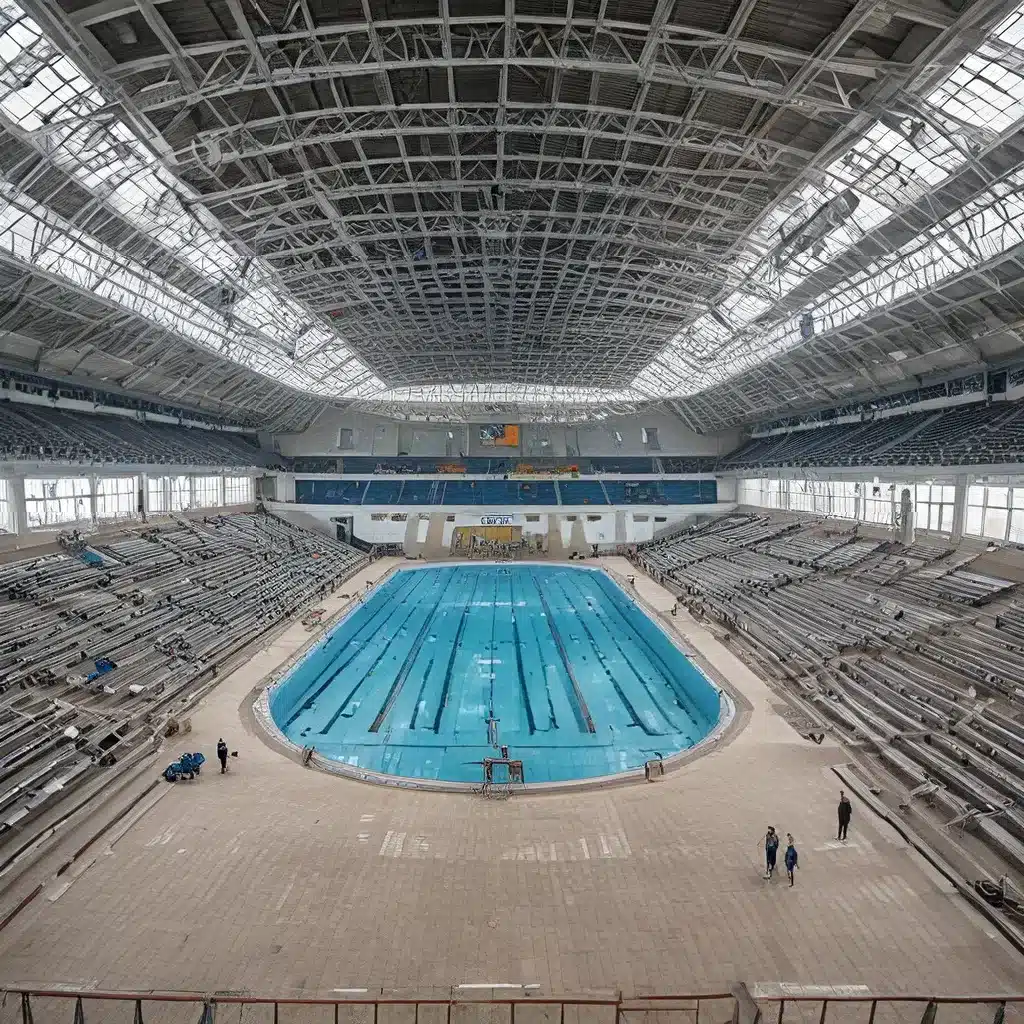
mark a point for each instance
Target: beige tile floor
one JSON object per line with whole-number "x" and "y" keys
{"x": 279, "y": 879}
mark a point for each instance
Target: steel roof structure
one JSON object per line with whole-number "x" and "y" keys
{"x": 534, "y": 208}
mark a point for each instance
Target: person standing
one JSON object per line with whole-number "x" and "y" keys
{"x": 845, "y": 813}
{"x": 791, "y": 857}
{"x": 222, "y": 755}
{"x": 771, "y": 850}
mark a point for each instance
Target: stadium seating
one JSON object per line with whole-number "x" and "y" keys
{"x": 97, "y": 658}
{"x": 635, "y": 492}
{"x": 582, "y": 492}
{"x": 479, "y": 466}
{"x": 899, "y": 659}
{"x": 620, "y": 464}
{"x": 689, "y": 492}
{"x": 315, "y": 464}
{"x": 383, "y": 492}
{"x": 975, "y": 434}
{"x": 40, "y": 433}
{"x": 418, "y": 492}
{"x": 688, "y": 463}
{"x": 500, "y": 493}
{"x": 330, "y": 492}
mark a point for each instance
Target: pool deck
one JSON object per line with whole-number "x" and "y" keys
{"x": 279, "y": 879}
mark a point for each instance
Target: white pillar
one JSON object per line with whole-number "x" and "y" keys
{"x": 960, "y": 483}
{"x": 18, "y": 510}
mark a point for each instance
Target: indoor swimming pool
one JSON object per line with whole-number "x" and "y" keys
{"x": 441, "y": 667}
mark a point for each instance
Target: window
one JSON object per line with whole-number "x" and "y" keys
{"x": 649, "y": 436}
{"x": 117, "y": 497}
{"x": 6, "y": 508}
{"x": 933, "y": 507}
{"x": 881, "y": 502}
{"x": 169, "y": 493}
{"x": 347, "y": 439}
{"x": 1016, "y": 531}
{"x": 53, "y": 502}
{"x": 995, "y": 512}
{"x": 237, "y": 490}
{"x": 207, "y": 492}
{"x": 763, "y": 493}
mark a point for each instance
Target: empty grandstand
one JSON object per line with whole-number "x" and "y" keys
{"x": 911, "y": 652}
{"x": 609, "y": 413}
{"x": 108, "y": 647}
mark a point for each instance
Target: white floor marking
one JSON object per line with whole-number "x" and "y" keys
{"x": 284, "y": 896}
{"x": 394, "y": 843}
{"x": 495, "y": 984}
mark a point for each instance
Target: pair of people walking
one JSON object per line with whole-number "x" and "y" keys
{"x": 791, "y": 859}
{"x": 771, "y": 852}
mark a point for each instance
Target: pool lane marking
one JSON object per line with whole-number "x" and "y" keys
{"x": 333, "y": 669}
{"x": 376, "y": 661}
{"x": 598, "y": 617}
{"x": 580, "y": 702}
{"x": 655, "y": 658}
{"x": 627, "y": 703}
{"x": 446, "y": 687}
{"x": 530, "y": 721}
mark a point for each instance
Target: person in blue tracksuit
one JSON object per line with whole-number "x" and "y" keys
{"x": 771, "y": 850}
{"x": 791, "y": 857}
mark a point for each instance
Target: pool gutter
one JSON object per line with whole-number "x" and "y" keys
{"x": 728, "y": 719}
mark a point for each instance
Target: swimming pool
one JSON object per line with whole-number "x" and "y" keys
{"x": 441, "y": 666}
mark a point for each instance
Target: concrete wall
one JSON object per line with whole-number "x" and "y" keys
{"x": 674, "y": 437}
{"x": 373, "y": 435}
{"x": 637, "y": 523}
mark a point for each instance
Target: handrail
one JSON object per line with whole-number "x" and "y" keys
{"x": 750, "y": 1008}
{"x": 460, "y": 996}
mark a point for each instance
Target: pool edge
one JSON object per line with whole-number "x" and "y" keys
{"x": 730, "y": 720}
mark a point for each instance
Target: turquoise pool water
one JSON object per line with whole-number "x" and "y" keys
{"x": 570, "y": 673}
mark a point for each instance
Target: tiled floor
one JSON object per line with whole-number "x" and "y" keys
{"x": 279, "y": 879}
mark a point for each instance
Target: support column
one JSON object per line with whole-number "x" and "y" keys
{"x": 93, "y": 487}
{"x": 960, "y": 483}
{"x": 18, "y": 511}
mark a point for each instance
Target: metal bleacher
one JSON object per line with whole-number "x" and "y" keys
{"x": 974, "y": 434}
{"x": 40, "y": 433}
{"x": 97, "y": 658}
{"x": 908, "y": 652}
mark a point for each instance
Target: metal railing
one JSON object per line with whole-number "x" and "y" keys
{"x": 767, "y": 1004}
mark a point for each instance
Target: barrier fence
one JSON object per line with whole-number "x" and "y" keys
{"x": 764, "y": 1004}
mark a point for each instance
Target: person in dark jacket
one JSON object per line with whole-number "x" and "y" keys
{"x": 845, "y": 813}
{"x": 791, "y": 857}
{"x": 222, "y": 755}
{"x": 771, "y": 850}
